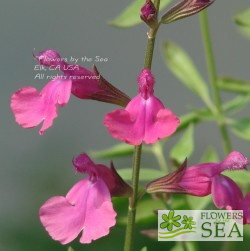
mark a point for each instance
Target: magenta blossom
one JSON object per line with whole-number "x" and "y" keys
{"x": 144, "y": 118}
{"x": 204, "y": 179}
{"x": 87, "y": 206}
{"x": 31, "y": 107}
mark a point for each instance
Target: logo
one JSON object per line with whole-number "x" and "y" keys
{"x": 200, "y": 225}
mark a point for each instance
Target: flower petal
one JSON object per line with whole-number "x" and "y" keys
{"x": 171, "y": 214}
{"x": 177, "y": 224}
{"x": 165, "y": 217}
{"x": 159, "y": 122}
{"x": 170, "y": 226}
{"x": 64, "y": 218}
{"x": 141, "y": 120}
{"x": 176, "y": 217}
{"x": 225, "y": 192}
{"x": 245, "y": 206}
{"x": 86, "y": 207}
{"x": 100, "y": 215}
{"x": 128, "y": 125}
{"x": 31, "y": 108}
{"x": 164, "y": 224}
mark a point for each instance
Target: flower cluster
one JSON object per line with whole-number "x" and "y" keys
{"x": 87, "y": 208}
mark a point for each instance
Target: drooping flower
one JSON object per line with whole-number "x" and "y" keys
{"x": 30, "y": 107}
{"x": 197, "y": 180}
{"x": 204, "y": 179}
{"x": 144, "y": 119}
{"x": 87, "y": 206}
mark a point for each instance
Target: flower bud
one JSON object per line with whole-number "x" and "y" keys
{"x": 49, "y": 58}
{"x": 146, "y": 83}
{"x": 149, "y": 14}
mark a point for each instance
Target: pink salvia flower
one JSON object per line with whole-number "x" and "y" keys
{"x": 87, "y": 206}
{"x": 31, "y": 108}
{"x": 204, "y": 179}
{"x": 144, "y": 118}
{"x": 197, "y": 180}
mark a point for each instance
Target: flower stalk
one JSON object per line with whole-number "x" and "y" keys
{"x": 129, "y": 238}
{"x": 213, "y": 79}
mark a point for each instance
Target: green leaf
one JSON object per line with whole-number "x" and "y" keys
{"x": 119, "y": 150}
{"x": 233, "y": 85}
{"x": 194, "y": 118}
{"x": 146, "y": 174}
{"x": 240, "y": 176}
{"x": 241, "y": 128}
{"x": 184, "y": 147}
{"x": 236, "y": 104}
{"x": 210, "y": 155}
{"x": 181, "y": 65}
{"x": 198, "y": 203}
{"x": 242, "y": 20}
{"x": 144, "y": 249}
{"x": 70, "y": 249}
{"x": 131, "y": 15}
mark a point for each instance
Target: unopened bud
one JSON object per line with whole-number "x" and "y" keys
{"x": 149, "y": 14}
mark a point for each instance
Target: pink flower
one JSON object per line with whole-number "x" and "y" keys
{"x": 227, "y": 194}
{"x": 87, "y": 206}
{"x": 144, "y": 118}
{"x": 245, "y": 206}
{"x": 204, "y": 179}
{"x": 30, "y": 107}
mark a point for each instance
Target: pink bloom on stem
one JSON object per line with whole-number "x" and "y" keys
{"x": 144, "y": 118}
{"x": 32, "y": 108}
{"x": 204, "y": 179}
{"x": 197, "y": 180}
{"x": 87, "y": 206}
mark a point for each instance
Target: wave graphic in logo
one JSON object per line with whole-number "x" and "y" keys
{"x": 175, "y": 233}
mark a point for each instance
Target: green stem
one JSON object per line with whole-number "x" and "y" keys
{"x": 133, "y": 200}
{"x": 213, "y": 79}
{"x": 129, "y": 238}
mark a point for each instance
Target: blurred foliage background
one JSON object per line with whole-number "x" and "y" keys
{"x": 35, "y": 168}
